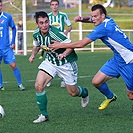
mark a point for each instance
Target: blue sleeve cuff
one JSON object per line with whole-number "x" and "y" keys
{"x": 13, "y": 35}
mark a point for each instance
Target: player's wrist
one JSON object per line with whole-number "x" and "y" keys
{"x": 32, "y": 57}
{"x": 64, "y": 54}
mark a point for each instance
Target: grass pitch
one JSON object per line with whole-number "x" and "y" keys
{"x": 65, "y": 112}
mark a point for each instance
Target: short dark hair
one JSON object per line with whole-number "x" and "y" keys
{"x": 54, "y": 1}
{"x": 40, "y": 14}
{"x": 100, "y": 7}
{"x": 0, "y": 1}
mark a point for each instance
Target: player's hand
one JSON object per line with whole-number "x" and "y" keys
{"x": 56, "y": 45}
{"x": 13, "y": 46}
{"x": 60, "y": 56}
{"x": 31, "y": 59}
{"x": 78, "y": 19}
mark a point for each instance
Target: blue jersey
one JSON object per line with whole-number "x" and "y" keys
{"x": 6, "y": 22}
{"x": 115, "y": 39}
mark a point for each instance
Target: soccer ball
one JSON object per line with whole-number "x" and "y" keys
{"x": 2, "y": 113}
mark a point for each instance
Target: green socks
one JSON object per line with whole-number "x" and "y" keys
{"x": 83, "y": 92}
{"x": 42, "y": 102}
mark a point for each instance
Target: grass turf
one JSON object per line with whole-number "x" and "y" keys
{"x": 65, "y": 112}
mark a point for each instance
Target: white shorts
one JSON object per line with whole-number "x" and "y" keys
{"x": 68, "y": 72}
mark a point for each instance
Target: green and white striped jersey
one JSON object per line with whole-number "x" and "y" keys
{"x": 57, "y": 35}
{"x": 59, "y": 20}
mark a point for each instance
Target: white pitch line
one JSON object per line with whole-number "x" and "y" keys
{"x": 80, "y": 77}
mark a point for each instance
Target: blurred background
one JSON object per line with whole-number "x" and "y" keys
{"x": 120, "y": 10}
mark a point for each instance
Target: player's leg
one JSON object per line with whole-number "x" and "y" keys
{"x": 108, "y": 71}
{"x": 79, "y": 91}
{"x": 17, "y": 75}
{"x": 1, "y": 81}
{"x": 44, "y": 76}
{"x": 70, "y": 78}
{"x": 75, "y": 90}
{"x": 41, "y": 81}
{"x": 99, "y": 81}
{"x": 127, "y": 74}
{"x": 10, "y": 59}
{"x": 41, "y": 56}
{"x": 130, "y": 94}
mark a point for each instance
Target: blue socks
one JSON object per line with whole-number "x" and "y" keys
{"x": 17, "y": 75}
{"x": 1, "y": 82}
{"x": 104, "y": 89}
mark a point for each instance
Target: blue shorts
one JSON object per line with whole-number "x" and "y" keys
{"x": 111, "y": 68}
{"x": 8, "y": 56}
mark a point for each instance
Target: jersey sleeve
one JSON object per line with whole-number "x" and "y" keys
{"x": 11, "y": 21}
{"x": 35, "y": 43}
{"x": 13, "y": 35}
{"x": 13, "y": 26}
{"x": 67, "y": 21}
{"x": 97, "y": 33}
{"x": 35, "y": 34}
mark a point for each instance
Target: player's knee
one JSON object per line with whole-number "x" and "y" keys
{"x": 72, "y": 94}
{"x": 38, "y": 88}
{"x": 95, "y": 83}
{"x": 130, "y": 97}
{"x": 130, "y": 94}
{"x": 13, "y": 66}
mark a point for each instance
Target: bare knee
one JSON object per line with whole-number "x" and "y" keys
{"x": 73, "y": 94}
{"x": 13, "y": 65}
{"x": 95, "y": 83}
{"x": 130, "y": 94}
{"x": 99, "y": 79}
{"x": 130, "y": 97}
{"x": 38, "y": 87}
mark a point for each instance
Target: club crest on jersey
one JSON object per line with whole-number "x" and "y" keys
{"x": 1, "y": 21}
{"x": 56, "y": 24}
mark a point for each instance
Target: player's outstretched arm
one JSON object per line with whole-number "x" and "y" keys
{"x": 78, "y": 44}
{"x": 35, "y": 50}
{"x": 85, "y": 19}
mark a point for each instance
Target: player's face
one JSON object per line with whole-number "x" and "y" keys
{"x": 54, "y": 6}
{"x": 0, "y": 6}
{"x": 43, "y": 25}
{"x": 97, "y": 18}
